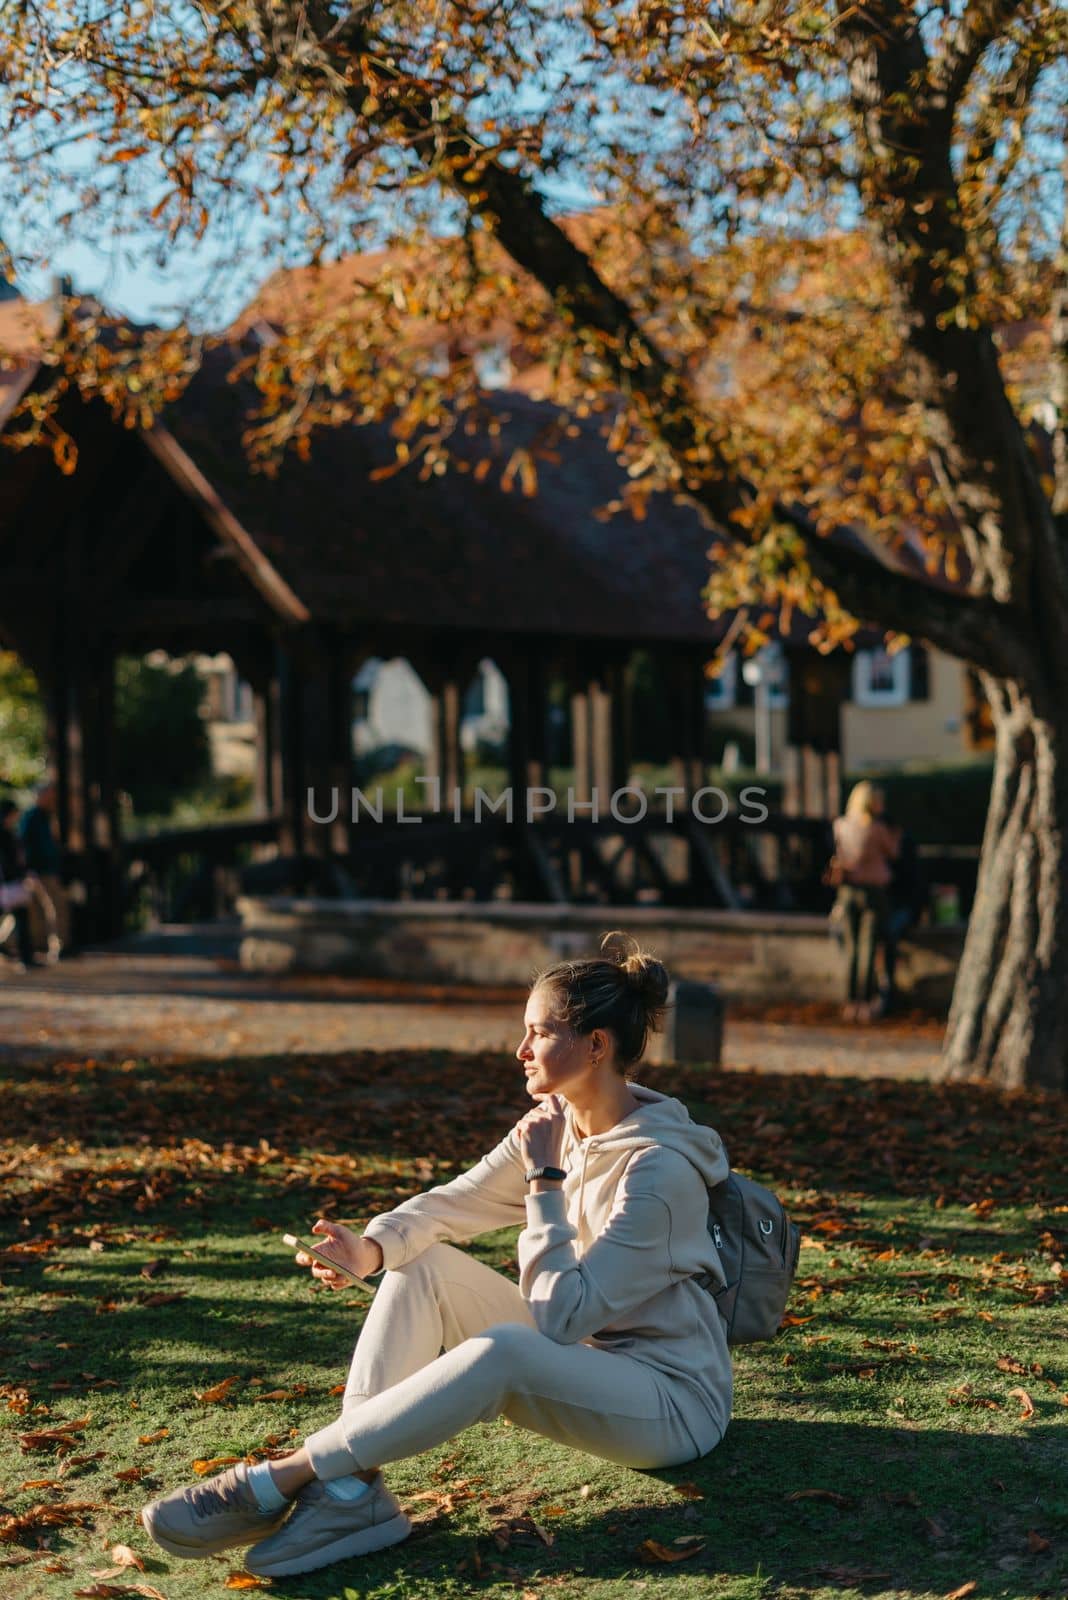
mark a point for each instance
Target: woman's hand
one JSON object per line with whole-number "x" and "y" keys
{"x": 541, "y": 1133}
{"x": 361, "y": 1256}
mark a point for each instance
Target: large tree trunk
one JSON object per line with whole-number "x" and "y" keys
{"x": 1009, "y": 1019}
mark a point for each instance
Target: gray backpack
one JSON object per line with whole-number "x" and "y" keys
{"x": 758, "y": 1247}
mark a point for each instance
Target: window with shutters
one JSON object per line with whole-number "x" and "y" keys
{"x": 881, "y": 679}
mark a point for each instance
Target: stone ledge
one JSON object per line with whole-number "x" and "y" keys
{"x": 752, "y": 955}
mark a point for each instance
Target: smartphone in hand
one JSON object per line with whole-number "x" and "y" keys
{"x": 327, "y": 1261}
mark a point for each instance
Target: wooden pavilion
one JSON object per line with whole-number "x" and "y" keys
{"x": 164, "y": 538}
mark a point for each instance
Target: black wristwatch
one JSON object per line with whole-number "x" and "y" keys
{"x": 544, "y": 1172}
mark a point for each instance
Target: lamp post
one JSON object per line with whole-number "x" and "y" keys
{"x": 755, "y": 674}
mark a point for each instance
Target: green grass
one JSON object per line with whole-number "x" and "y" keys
{"x": 935, "y": 1226}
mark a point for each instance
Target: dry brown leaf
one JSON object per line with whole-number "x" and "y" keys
{"x": 60, "y": 1438}
{"x": 153, "y": 1438}
{"x": 217, "y": 1392}
{"x": 1010, "y": 1364}
{"x": 964, "y": 1590}
{"x": 831, "y": 1496}
{"x": 244, "y": 1580}
{"x": 689, "y": 1491}
{"x": 123, "y": 1556}
{"x": 1027, "y": 1405}
{"x": 202, "y": 1468}
{"x": 650, "y": 1552}
{"x": 1036, "y": 1543}
{"x": 284, "y": 1394}
{"x": 790, "y": 1319}
{"x": 130, "y": 1474}
{"x": 148, "y": 1590}
{"x": 14, "y": 1529}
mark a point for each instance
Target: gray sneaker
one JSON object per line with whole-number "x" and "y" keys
{"x": 209, "y": 1516}
{"x": 322, "y": 1529}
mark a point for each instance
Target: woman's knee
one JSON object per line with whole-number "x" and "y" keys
{"x": 508, "y": 1345}
{"x": 429, "y": 1263}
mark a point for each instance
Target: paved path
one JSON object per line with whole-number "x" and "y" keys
{"x": 182, "y": 993}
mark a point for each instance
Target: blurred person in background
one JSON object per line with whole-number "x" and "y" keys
{"x": 14, "y": 894}
{"x": 49, "y": 907}
{"x": 864, "y": 848}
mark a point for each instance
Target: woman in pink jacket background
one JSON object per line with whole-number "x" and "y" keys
{"x": 864, "y": 847}
{"x": 608, "y": 1343}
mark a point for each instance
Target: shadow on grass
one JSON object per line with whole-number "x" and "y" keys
{"x": 961, "y": 1141}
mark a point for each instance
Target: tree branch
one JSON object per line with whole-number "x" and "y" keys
{"x": 911, "y": 194}
{"x": 982, "y": 23}
{"x": 974, "y": 629}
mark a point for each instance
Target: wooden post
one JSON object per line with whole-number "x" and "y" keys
{"x": 527, "y": 755}
{"x": 324, "y": 739}
{"x": 581, "y": 754}
{"x": 686, "y": 710}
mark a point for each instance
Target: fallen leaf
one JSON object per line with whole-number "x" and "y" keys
{"x": 123, "y": 1556}
{"x": 284, "y": 1394}
{"x": 964, "y": 1590}
{"x": 689, "y": 1491}
{"x": 202, "y": 1468}
{"x": 130, "y": 1474}
{"x": 1035, "y": 1542}
{"x": 790, "y": 1319}
{"x": 963, "y": 1395}
{"x": 217, "y": 1392}
{"x": 1027, "y": 1405}
{"x": 244, "y": 1580}
{"x": 153, "y": 1438}
{"x": 831, "y": 1496}
{"x": 14, "y": 1530}
{"x": 59, "y": 1438}
{"x": 151, "y": 1269}
{"x": 651, "y": 1552}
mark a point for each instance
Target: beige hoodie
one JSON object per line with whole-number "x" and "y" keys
{"x": 608, "y": 1258}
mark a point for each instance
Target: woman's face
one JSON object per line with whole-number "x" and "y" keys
{"x": 553, "y": 1055}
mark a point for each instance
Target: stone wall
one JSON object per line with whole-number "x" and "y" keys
{"x": 760, "y": 956}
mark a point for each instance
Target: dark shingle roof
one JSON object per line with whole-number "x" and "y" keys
{"x": 451, "y": 551}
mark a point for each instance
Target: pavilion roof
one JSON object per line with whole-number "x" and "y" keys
{"x": 454, "y": 551}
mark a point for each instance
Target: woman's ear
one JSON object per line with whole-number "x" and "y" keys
{"x": 600, "y": 1046}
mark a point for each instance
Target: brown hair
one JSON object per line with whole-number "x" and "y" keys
{"x": 623, "y": 990}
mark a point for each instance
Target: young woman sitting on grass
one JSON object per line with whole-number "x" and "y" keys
{"x": 607, "y": 1343}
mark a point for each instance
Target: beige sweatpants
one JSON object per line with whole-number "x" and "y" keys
{"x": 404, "y": 1396}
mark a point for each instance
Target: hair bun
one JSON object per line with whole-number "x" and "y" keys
{"x": 645, "y": 974}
